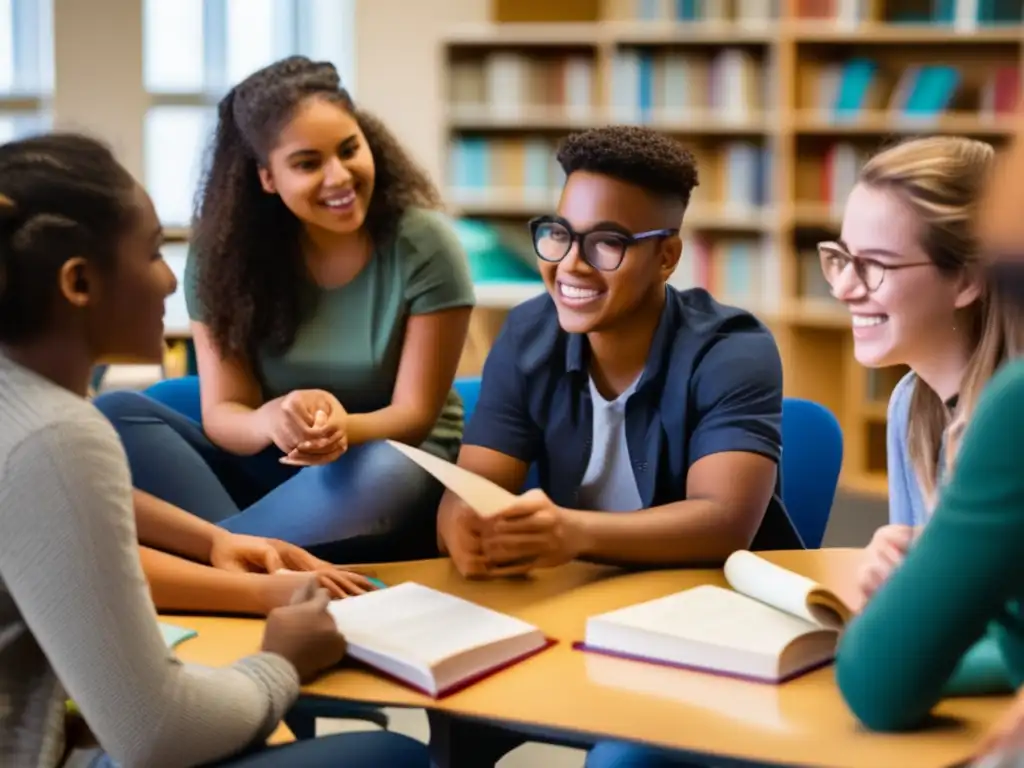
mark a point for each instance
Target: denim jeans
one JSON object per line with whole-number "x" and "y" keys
{"x": 371, "y": 505}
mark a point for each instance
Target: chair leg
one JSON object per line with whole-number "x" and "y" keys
{"x": 301, "y": 718}
{"x": 302, "y": 725}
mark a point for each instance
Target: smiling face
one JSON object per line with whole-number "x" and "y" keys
{"x": 913, "y": 311}
{"x": 591, "y": 300}
{"x": 322, "y": 167}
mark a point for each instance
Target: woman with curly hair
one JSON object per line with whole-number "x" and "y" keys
{"x": 330, "y": 302}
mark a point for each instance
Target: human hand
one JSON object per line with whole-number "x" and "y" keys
{"x": 304, "y": 632}
{"x": 276, "y": 589}
{"x": 531, "y": 533}
{"x": 295, "y": 564}
{"x": 883, "y": 555}
{"x": 1004, "y": 740}
{"x": 460, "y": 526}
{"x": 295, "y": 558}
{"x": 244, "y": 554}
{"x": 323, "y": 450}
{"x": 307, "y": 425}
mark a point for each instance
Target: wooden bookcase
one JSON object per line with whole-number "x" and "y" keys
{"x": 771, "y": 78}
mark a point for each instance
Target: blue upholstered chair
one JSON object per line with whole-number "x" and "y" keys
{"x": 469, "y": 390}
{"x": 812, "y": 455}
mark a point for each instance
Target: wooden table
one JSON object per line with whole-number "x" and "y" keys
{"x": 803, "y": 722}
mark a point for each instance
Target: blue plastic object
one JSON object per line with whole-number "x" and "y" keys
{"x": 179, "y": 394}
{"x": 812, "y": 456}
{"x": 469, "y": 390}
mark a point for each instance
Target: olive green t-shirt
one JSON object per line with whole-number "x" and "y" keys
{"x": 352, "y": 343}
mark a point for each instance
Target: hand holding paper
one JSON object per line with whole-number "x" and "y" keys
{"x": 531, "y": 533}
{"x": 499, "y": 533}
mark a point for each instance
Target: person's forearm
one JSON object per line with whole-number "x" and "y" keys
{"x": 404, "y": 425}
{"x": 177, "y": 584}
{"x": 168, "y": 528}
{"x": 682, "y": 533}
{"x": 236, "y": 428}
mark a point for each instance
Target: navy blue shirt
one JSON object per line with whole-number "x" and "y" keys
{"x": 712, "y": 383}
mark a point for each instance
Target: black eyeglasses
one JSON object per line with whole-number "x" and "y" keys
{"x": 870, "y": 273}
{"x": 603, "y": 249}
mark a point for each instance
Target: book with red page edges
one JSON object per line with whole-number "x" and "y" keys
{"x": 431, "y": 641}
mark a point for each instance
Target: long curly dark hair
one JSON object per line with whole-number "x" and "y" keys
{"x": 250, "y": 271}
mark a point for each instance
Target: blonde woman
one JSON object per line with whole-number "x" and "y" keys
{"x": 962, "y": 580}
{"x": 906, "y": 266}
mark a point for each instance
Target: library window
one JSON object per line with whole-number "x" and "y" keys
{"x": 195, "y": 50}
{"x": 26, "y": 67}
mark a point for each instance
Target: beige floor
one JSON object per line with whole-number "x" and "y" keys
{"x": 413, "y": 722}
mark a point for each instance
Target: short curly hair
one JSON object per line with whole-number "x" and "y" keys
{"x": 251, "y": 280}
{"x": 635, "y": 155}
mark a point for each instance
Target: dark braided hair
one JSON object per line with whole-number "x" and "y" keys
{"x": 633, "y": 154}
{"x": 62, "y": 195}
{"x": 250, "y": 272}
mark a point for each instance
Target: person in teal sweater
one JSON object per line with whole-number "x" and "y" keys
{"x": 897, "y": 657}
{"x": 330, "y": 300}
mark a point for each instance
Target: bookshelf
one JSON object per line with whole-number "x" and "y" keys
{"x": 780, "y": 103}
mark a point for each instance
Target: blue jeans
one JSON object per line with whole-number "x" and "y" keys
{"x": 371, "y": 505}
{"x": 368, "y": 749}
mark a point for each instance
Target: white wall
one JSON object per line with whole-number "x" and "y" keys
{"x": 399, "y": 73}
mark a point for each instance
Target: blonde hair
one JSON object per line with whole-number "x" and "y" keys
{"x": 942, "y": 179}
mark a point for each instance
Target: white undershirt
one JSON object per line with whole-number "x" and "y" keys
{"x": 609, "y": 484}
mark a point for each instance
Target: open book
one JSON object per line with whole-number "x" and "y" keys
{"x": 480, "y": 494}
{"x": 430, "y": 640}
{"x": 772, "y": 625}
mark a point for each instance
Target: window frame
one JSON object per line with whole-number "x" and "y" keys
{"x": 297, "y": 19}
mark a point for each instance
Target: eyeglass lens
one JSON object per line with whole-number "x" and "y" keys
{"x": 834, "y": 261}
{"x": 602, "y": 250}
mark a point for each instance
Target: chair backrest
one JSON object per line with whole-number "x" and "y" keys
{"x": 469, "y": 390}
{"x": 812, "y": 456}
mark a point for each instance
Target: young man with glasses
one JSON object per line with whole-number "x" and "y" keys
{"x": 653, "y": 414}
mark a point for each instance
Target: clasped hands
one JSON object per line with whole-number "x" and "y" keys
{"x": 530, "y": 533}
{"x": 308, "y": 425}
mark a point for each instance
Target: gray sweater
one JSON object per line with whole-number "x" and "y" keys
{"x": 76, "y": 616}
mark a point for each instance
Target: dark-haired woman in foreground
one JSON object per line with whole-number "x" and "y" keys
{"x": 330, "y": 306}
{"x": 81, "y": 279}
